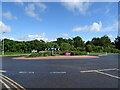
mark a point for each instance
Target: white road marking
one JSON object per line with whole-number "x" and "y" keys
{"x": 27, "y": 72}
{"x": 103, "y": 55}
{"x": 2, "y": 71}
{"x": 57, "y": 72}
{"x": 108, "y": 74}
{"x": 22, "y": 72}
{"x": 100, "y": 70}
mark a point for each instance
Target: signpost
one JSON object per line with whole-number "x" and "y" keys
{"x": 52, "y": 49}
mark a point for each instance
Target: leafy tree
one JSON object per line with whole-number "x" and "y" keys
{"x": 60, "y": 40}
{"x": 105, "y": 41}
{"x": 50, "y": 44}
{"x": 117, "y": 42}
{"x": 96, "y": 41}
{"x": 78, "y": 42}
{"x": 99, "y": 44}
{"x": 88, "y": 43}
{"x": 65, "y": 47}
{"x": 89, "y": 48}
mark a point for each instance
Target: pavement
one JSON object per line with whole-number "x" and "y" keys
{"x": 62, "y": 73}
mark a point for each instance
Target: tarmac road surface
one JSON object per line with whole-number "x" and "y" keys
{"x": 65, "y": 73}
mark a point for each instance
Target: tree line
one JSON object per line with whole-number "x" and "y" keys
{"x": 97, "y": 44}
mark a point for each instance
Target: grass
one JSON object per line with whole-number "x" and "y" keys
{"x": 101, "y": 53}
{"x": 14, "y": 53}
{"x": 18, "y": 53}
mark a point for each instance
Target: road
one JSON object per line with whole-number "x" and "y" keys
{"x": 67, "y": 73}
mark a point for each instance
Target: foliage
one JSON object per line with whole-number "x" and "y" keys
{"x": 117, "y": 42}
{"x": 89, "y": 48}
{"x": 65, "y": 47}
{"x": 78, "y": 42}
{"x": 73, "y": 53}
{"x": 75, "y": 45}
{"x": 40, "y": 54}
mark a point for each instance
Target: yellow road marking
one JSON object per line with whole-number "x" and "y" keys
{"x": 13, "y": 81}
{"x": 5, "y": 84}
{"x": 10, "y": 83}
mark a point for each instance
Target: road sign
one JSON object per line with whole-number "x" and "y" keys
{"x": 52, "y": 48}
{"x": 58, "y": 49}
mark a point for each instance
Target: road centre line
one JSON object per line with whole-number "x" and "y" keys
{"x": 57, "y": 72}
{"x": 26, "y": 72}
{"x": 12, "y": 81}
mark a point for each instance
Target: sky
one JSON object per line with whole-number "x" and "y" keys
{"x": 24, "y": 21}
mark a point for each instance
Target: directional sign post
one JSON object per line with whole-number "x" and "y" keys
{"x": 52, "y": 49}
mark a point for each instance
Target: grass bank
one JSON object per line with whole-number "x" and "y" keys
{"x": 101, "y": 53}
{"x": 14, "y": 54}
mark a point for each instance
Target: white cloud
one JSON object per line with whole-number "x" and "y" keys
{"x": 60, "y": 35}
{"x": 110, "y": 36}
{"x": 96, "y": 27}
{"x": 9, "y": 38}
{"x": 8, "y": 15}
{"x": 30, "y": 10}
{"x": 77, "y": 7}
{"x": 65, "y": 35}
{"x": 4, "y": 28}
{"x": 32, "y": 37}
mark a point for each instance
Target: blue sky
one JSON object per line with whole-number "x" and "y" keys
{"x": 50, "y": 20}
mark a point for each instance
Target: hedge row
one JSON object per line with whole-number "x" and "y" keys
{"x": 74, "y": 53}
{"x": 48, "y": 53}
{"x": 40, "y": 54}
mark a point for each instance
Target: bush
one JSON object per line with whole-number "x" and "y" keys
{"x": 73, "y": 53}
{"x": 45, "y": 53}
{"x": 33, "y": 55}
{"x": 78, "y": 53}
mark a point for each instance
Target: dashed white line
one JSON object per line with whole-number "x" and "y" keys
{"x": 27, "y": 72}
{"x": 57, "y": 72}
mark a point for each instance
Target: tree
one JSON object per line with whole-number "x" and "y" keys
{"x": 89, "y": 48}
{"x": 88, "y": 43}
{"x": 51, "y": 44}
{"x": 65, "y": 47}
{"x": 60, "y": 40}
{"x": 105, "y": 41}
{"x": 96, "y": 41}
{"x": 78, "y": 42}
{"x": 117, "y": 42}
